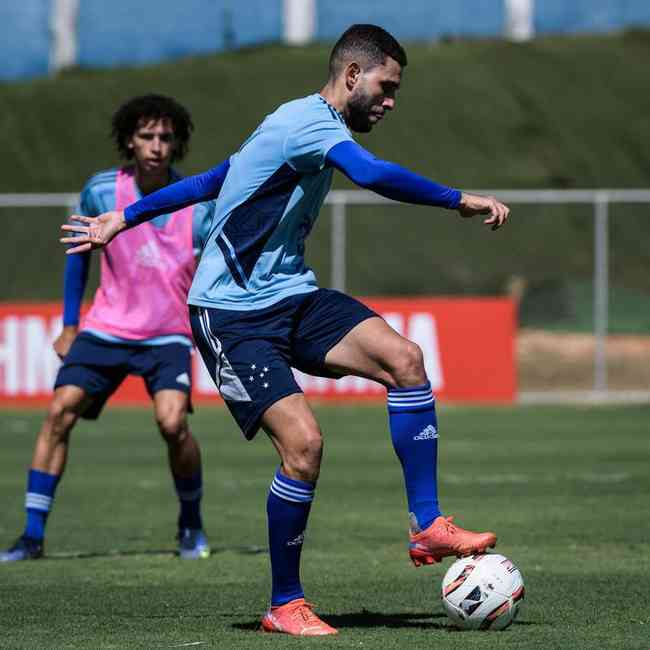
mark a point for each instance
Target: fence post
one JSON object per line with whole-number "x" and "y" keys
{"x": 601, "y": 289}
{"x": 338, "y": 244}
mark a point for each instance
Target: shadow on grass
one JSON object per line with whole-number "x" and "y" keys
{"x": 81, "y": 555}
{"x": 368, "y": 619}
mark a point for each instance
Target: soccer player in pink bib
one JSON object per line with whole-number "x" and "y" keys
{"x": 137, "y": 324}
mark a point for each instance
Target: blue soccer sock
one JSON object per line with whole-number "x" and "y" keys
{"x": 190, "y": 492}
{"x": 414, "y": 430}
{"x": 38, "y": 501}
{"x": 288, "y": 509}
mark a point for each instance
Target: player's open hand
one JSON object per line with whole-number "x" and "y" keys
{"x": 92, "y": 232}
{"x": 473, "y": 204}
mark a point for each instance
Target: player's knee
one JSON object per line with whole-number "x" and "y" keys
{"x": 302, "y": 461}
{"x": 59, "y": 420}
{"x": 407, "y": 365}
{"x": 172, "y": 425}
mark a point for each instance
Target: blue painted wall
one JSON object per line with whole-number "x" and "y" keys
{"x": 413, "y": 19}
{"x": 24, "y": 38}
{"x": 564, "y": 16}
{"x": 134, "y": 32}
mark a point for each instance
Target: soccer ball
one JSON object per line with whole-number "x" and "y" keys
{"x": 482, "y": 592}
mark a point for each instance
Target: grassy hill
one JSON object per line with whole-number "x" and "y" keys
{"x": 553, "y": 113}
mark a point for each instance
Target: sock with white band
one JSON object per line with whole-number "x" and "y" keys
{"x": 41, "y": 487}
{"x": 190, "y": 492}
{"x": 287, "y": 507}
{"x": 414, "y": 431}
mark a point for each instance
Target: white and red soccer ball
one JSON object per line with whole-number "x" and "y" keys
{"x": 482, "y": 592}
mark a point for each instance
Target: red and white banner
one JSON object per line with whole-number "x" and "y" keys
{"x": 468, "y": 346}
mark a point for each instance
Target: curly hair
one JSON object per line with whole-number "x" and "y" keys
{"x": 151, "y": 107}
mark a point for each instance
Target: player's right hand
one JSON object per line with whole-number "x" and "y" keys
{"x": 96, "y": 233}
{"x": 63, "y": 342}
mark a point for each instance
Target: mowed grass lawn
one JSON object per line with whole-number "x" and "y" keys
{"x": 566, "y": 489}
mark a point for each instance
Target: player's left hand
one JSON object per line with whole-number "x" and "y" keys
{"x": 97, "y": 232}
{"x": 473, "y": 204}
{"x": 65, "y": 340}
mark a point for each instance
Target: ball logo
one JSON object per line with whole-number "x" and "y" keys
{"x": 509, "y": 566}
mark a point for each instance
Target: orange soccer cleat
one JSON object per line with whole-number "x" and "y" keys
{"x": 442, "y": 539}
{"x": 296, "y": 618}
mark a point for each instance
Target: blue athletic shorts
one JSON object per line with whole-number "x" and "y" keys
{"x": 99, "y": 367}
{"x": 250, "y": 353}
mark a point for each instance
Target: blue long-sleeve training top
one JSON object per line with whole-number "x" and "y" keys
{"x": 359, "y": 165}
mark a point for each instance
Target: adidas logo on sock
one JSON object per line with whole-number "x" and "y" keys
{"x": 428, "y": 433}
{"x": 183, "y": 378}
{"x": 297, "y": 541}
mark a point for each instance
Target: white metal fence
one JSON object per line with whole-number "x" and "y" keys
{"x": 600, "y": 199}
{"x": 338, "y": 200}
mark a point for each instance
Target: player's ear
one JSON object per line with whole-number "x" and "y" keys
{"x": 352, "y": 74}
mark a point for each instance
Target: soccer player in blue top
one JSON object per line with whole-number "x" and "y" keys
{"x": 256, "y": 309}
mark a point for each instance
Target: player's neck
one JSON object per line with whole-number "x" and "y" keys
{"x": 149, "y": 182}
{"x": 334, "y": 96}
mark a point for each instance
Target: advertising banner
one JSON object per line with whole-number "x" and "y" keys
{"x": 468, "y": 346}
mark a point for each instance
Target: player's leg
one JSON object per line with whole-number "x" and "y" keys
{"x": 373, "y": 349}
{"x": 258, "y": 386}
{"x": 47, "y": 467}
{"x": 184, "y": 456}
{"x": 167, "y": 372}
{"x": 294, "y": 431}
{"x": 365, "y": 345}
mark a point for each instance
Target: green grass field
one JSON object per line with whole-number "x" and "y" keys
{"x": 567, "y": 490}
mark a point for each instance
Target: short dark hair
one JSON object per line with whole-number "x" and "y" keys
{"x": 151, "y": 107}
{"x": 370, "y": 42}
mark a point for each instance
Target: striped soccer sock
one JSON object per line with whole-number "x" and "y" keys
{"x": 287, "y": 507}
{"x": 414, "y": 431}
{"x": 190, "y": 492}
{"x": 38, "y": 501}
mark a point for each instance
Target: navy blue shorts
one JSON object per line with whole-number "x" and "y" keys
{"x": 250, "y": 353}
{"x": 99, "y": 367}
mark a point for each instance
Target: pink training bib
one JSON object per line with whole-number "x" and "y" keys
{"x": 146, "y": 274}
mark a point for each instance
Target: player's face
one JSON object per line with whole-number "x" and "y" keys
{"x": 374, "y": 94}
{"x": 153, "y": 145}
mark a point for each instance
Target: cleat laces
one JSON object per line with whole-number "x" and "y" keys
{"x": 450, "y": 529}
{"x": 304, "y": 613}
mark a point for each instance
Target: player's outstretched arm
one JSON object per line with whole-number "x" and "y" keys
{"x": 97, "y": 232}
{"x": 396, "y": 182}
